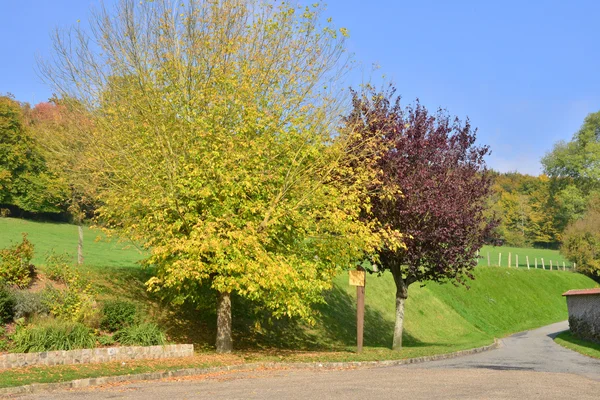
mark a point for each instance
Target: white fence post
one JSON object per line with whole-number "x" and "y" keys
{"x": 517, "y": 260}
{"x": 527, "y": 259}
{"x": 499, "y": 259}
{"x": 509, "y": 259}
{"x": 543, "y": 266}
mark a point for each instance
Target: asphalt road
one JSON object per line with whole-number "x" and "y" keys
{"x": 528, "y": 365}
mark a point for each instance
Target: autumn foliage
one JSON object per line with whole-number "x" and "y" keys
{"x": 433, "y": 187}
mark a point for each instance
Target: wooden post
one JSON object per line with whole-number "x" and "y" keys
{"x": 564, "y": 266}
{"x": 489, "y": 264}
{"x": 574, "y": 266}
{"x": 543, "y": 266}
{"x": 499, "y": 259}
{"x": 550, "y": 264}
{"x": 517, "y": 260}
{"x": 80, "y": 245}
{"x": 509, "y": 259}
{"x": 536, "y": 263}
{"x": 527, "y": 259}
{"x": 358, "y": 279}
{"x": 360, "y": 317}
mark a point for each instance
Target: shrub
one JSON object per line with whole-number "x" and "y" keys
{"x": 15, "y": 267}
{"x": 70, "y": 304}
{"x": 581, "y": 243}
{"x": 58, "y": 267}
{"x": 75, "y": 303}
{"x": 28, "y": 305}
{"x": 52, "y": 334}
{"x": 106, "y": 340}
{"x": 7, "y": 304}
{"x": 146, "y": 334}
{"x": 118, "y": 314}
{"x": 4, "y": 343}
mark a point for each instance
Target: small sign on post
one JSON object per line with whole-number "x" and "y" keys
{"x": 358, "y": 279}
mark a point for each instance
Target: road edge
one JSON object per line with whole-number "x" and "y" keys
{"x": 151, "y": 376}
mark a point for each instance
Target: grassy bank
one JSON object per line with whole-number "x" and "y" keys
{"x": 522, "y": 253}
{"x": 63, "y": 238}
{"x": 439, "y": 318}
{"x": 590, "y": 349}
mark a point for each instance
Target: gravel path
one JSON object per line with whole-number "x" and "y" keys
{"x": 528, "y": 365}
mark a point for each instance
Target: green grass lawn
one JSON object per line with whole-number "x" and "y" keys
{"x": 522, "y": 253}
{"x": 47, "y": 236}
{"x": 590, "y": 349}
{"x": 438, "y": 319}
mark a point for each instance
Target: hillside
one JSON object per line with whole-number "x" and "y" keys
{"x": 439, "y": 318}
{"x": 499, "y": 301}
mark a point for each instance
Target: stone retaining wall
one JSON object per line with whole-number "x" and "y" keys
{"x": 100, "y": 355}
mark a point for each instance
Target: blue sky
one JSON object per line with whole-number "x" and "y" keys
{"x": 525, "y": 73}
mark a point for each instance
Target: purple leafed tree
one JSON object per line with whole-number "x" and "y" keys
{"x": 432, "y": 187}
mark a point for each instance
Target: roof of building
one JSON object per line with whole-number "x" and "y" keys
{"x": 578, "y": 292}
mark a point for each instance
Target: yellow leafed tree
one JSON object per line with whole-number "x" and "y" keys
{"x": 214, "y": 143}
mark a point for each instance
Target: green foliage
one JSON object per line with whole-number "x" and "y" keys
{"x": 50, "y": 334}
{"x": 145, "y": 334}
{"x": 75, "y": 303}
{"x": 7, "y": 303}
{"x": 118, "y": 314}
{"x": 24, "y": 178}
{"x": 579, "y": 158}
{"x": 15, "y": 267}
{"x": 581, "y": 243}
{"x": 574, "y": 167}
{"x": 106, "y": 340}
{"x": 527, "y": 209}
{"x": 58, "y": 267}
{"x": 29, "y": 304}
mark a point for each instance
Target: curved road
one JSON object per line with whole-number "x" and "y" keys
{"x": 528, "y": 365}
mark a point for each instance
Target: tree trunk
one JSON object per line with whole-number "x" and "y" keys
{"x": 399, "y": 324}
{"x": 80, "y": 245}
{"x": 224, "y": 342}
{"x": 401, "y": 296}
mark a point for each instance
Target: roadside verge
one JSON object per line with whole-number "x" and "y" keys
{"x": 87, "y": 382}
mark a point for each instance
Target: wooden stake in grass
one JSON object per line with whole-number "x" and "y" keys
{"x": 564, "y": 266}
{"x": 536, "y": 263}
{"x": 550, "y": 264}
{"x": 509, "y": 259}
{"x": 575, "y": 266}
{"x": 527, "y": 260}
{"x": 517, "y": 260}
{"x": 499, "y": 259}
{"x": 543, "y": 266}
